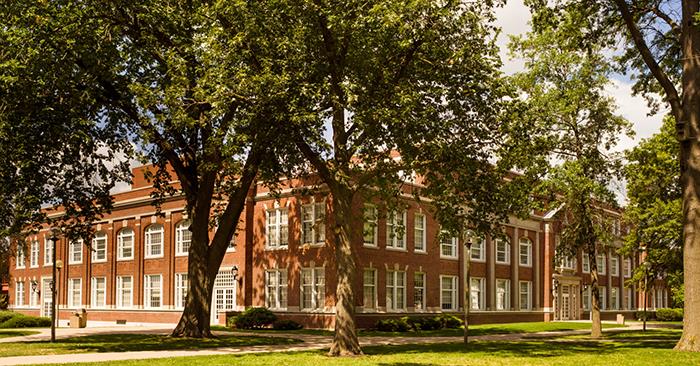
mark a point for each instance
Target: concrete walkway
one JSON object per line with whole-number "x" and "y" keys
{"x": 310, "y": 342}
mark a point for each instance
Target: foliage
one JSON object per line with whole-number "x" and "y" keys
{"x": 254, "y": 318}
{"x": 286, "y": 324}
{"x": 642, "y": 315}
{"x": 4, "y": 299}
{"x": 10, "y": 319}
{"x": 393, "y": 325}
{"x": 669, "y": 315}
{"x": 419, "y": 323}
{"x": 449, "y": 321}
{"x": 405, "y": 324}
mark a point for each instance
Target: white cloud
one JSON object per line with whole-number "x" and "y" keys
{"x": 513, "y": 19}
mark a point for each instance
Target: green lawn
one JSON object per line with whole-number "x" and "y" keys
{"x": 628, "y": 348}
{"x": 474, "y": 330}
{"x": 16, "y": 333}
{"x": 131, "y": 342}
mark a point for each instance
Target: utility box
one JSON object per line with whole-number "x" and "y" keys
{"x": 620, "y": 319}
{"x": 78, "y": 319}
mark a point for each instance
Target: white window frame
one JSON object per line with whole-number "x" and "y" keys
{"x": 20, "y": 258}
{"x": 614, "y": 298}
{"x": 528, "y": 293}
{"x": 181, "y": 286}
{"x": 125, "y": 233}
{"x": 99, "y": 252}
{"x": 94, "y": 293}
{"x": 451, "y": 292}
{"x": 313, "y": 223}
{"x": 420, "y": 233}
{"x": 481, "y": 244}
{"x": 603, "y": 291}
{"x": 614, "y": 266}
{"x": 449, "y": 242}
{"x": 19, "y": 293}
{"x": 74, "y": 290}
{"x": 527, "y": 243}
{"x": 477, "y": 292}
{"x": 34, "y": 254}
{"x": 369, "y": 287}
{"x": 394, "y": 289}
{"x": 505, "y": 251}
{"x": 627, "y": 264}
{"x": 278, "y": 240}
{"x": 276, "y": 283}
{"x": 48, "y": 251}
{"x": 505, "y": 304}
{"x": 586, "y": 263}
{"x": 587, "y": 298}
{"x": 601, "y": 261}
{"x": 628, "y": 299}
{"x": 369, "y": 226}
{"x": 121, "y": 290}
{"x": 396, "y": 230}
{"x": 149, "y": 244}
{"x": 419, "y": 288}
{"x": 75, "y": 249}
{"x": 34, "y": 295}
{"x": 183, "y": 238}
{"x": 316, "y": 288}
{"x": 148, "y": 289}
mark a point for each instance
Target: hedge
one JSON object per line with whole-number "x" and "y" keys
{"x": 9, "y": 319}
{"x": 669, "y": 315}
{"x": 252, "y": 318}
{"x": 406, "y": 324}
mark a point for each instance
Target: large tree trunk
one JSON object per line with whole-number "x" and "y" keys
{"x": 345, "y": 341}
{"x": 596, "y": 328}
{"x": 690, "y": 179}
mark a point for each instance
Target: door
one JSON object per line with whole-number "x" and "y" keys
{"x": 223, "y": 295}
{"x": 46, "y": 307}
{"x": 565, "y": 303}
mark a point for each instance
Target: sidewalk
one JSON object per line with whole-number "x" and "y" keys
{"x": 310, "y": 342}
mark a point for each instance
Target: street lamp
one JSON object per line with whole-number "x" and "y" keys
{"x": 467, "y": 288}
{"x": 54, "y": 239}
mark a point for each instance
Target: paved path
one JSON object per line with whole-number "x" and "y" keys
{"x": 310, "y": 342}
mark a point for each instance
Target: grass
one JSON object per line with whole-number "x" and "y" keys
{"x": 132, "y": 342}
{"x": 625, "y": 348}
{"x": 16, "y": 333}
{"x": 474, "y": 330}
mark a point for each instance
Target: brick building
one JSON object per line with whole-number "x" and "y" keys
{"x": 136, "y": 271}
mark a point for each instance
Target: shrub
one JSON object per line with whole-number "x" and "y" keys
{"x": 286, "y": 324}
{"x": 669, "y": 315}
{"x": 231, "y": 319}
{"x": 254, "y": 318}
{"x": 449, "y": 321}
{"x": 423, "y": 323}
{"x": 641, "y": 315}
{"x": 393, "y": 325}
{"x": 6, "y": 315}
{"x": 3, "y": 301}
{"x": 25, "y": 321}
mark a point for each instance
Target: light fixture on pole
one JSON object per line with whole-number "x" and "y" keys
{"x": 54, "y": 239}
{"x": 467, "y": 288}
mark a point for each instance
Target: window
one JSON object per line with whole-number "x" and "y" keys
{"x": 628, "y": 298}
{"x": 181, "y": 284}
{"x": 125, "y": 244}
{"x": 478, "y": 250}
{"x": 48, "y": 251}
{"x": 660, "y": 298}
{"x": 152, "y": 290}
{"x": 525, "y": 252}
{"x": 614, "y": 298}
{"x": 19, "y": 293}
{"x": 448, "y": 292}
{"x": 627, "y": 267}
{"x": 478, "y": 290}
{"x": 587, "y": 299}
{"x": 395, "y": 290}
{"x": 502, "y": 294}
{"x": 586, "y": 265}
{"x": 614, "y": 266}
{"x": 34, "y": 254}
{"x": 277, "y": 228}
{"x": 21, "y": 259}
{"x": 395, "y": 230}
{"x": 419, "y": 291}
{"x": 602, "y": 290}
{"x": 601, "y": 263}
{"x": 502, "y": 251}
{"x": 419, "y": 236}
{"x": 125, "y": 291}
{"x": 525, "y": 290}
{"x": 276, "y": 289}
{"x": 313, "y": 288}
{"x": 99, "y": 247}
{"x": 33, "y": 294}
{"x": 369, "y": 286}
{"x": 75, "y": 292}
{"x": 448, "y": 246}
{"x": 369, "y": 229}
{"x": 76, "y": 252}
{"x": 154, "y": 241}
{"x": 183, "y": 237}
{"x": 99, "y": 290}
{"x": 313, "y": 223}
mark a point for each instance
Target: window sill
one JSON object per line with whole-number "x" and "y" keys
{"x": 74, "y": 263}
{"x": 393, "y": 249}
{"x": 477, "y": 260}
{"x": 272, "y": 249}
{"x": 153, "y": 257}
{"x": 37, "y": 266}
{"x": 416, "y": 251}
{"x": 125, "y": 259}
{"x": 182, "y": 254}
{"x": 525, "y": 265}
{"x": 99, "y": 261}
{"x": 504, "y": 263}
{"x": 449, "y": 258}
{"x": 370, "y": 246}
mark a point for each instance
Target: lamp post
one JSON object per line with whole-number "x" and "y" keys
{"x": 54, "y": 239}
{"x": 467, "y": 287}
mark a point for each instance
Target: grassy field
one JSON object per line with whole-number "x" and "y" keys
{"x": 626, "y": 348}
{"x": 131, "y": 342}
{"x": 474, "y": 330}
{"x": 16, "y": 333}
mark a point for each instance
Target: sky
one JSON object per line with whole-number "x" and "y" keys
{"x": 514, "y": 18}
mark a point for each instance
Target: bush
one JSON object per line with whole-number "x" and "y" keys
{"x": 641, "y": 315}
{"x": 24, "y": 321}
{"x": 393, "y": 325}
{"x": 285, "y": 324}
{"x": 449, "y": 321}
{"x": 669, "y": 315}
{"x": 6, "y": 315}
{"x": 254, "y": 318}
{"x": 3, "y": 301}
{"x": 423, "y": 323}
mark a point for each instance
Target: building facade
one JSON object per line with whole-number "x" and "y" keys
{"x": 135, "y": 268}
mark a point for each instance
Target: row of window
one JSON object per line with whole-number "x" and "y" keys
{"x": 34, "y": 250}
{"x": 602, "y": 265}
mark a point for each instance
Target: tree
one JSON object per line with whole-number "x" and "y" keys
{"x": 175, "y": 80}
{"x": 572, "y": 126}
{"x": 655, "y": 208}
{"x": 661, "y": 40}
{"x": 388, "y": 89}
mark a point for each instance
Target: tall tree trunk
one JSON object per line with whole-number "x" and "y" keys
{"x": 345, "y": 341}
{"x": 596, "y": 328}
{"x": 690, "y": 178}
{"x": 196, "y": 317}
